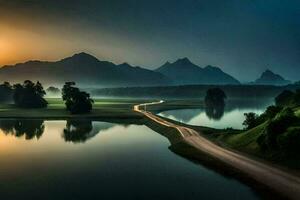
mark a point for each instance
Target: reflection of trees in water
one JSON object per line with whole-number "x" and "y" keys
{"x": 28, "y": 128}
{"x": 183, "y": 115}
{"x": 77, "y": 130}
{"x": 215, "y": 112}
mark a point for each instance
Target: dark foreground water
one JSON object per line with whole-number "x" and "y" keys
{"x": 99, "y": 160}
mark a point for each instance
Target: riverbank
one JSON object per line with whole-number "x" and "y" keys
{"x": 194, "y": 145}
{"x": 102, "y": 108}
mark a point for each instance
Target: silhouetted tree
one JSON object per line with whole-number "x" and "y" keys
{"x": 215, "y": 103}
{"x": 284, "y": 98}
{"x": 29, "y": 95}
{"x": 214, "y": 112}
{"x": 215, "y": 97}
{"x": 276, "y": 127}
{"x": 270, "y": 113}
{"x": 251, "y": 120}
{"x": 77, "y": 130}
{"x": 296, "y": 98}
{"x": 289, "y": 142}
{"x": 53, "y": 90}
{"x": 28, "y": 128}
{"x": 77, "y": 102}
{"x": 6, "y": 92}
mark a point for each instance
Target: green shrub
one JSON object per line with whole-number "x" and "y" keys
{"x": 289, "y": 142}
{"x": 275, "y": 128}
{"x": 251, "y": 120}
{"x": 284, "y": 98}
{"x": 270, "y": 113}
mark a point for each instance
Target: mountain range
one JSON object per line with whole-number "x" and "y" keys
{"x": 84, "y": 69}
{"x": 184, "y": 72}
{"x": 87, "y": 70}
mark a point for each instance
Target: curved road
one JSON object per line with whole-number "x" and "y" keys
{"x": 274, "y": 178}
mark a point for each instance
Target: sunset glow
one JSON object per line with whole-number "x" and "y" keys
{"x": 7, "y": 54}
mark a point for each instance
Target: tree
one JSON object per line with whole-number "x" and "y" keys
{"x": 284, "y": 98}
{"x": 215, "y": 97}
{"x": 276, "y": 127}
{"x": 29, "y": 95}
{"x": 214, "y": 112}
{"x": 296, "y": 98}
{"x": 19, "y": 128}
{"x": 53, "y": 90}
{"x": 215, "y": 103}
{"x": 251, "y": 120}
{"x": 76, "y": 101}
{"x": 6, "y": 92}
{"x": 77, "y": 130}
{"x": 270, "y": 113}
{"x": 289, "y": 142}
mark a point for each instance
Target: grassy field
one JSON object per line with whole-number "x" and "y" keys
{"x": 242, "y": 140}
{"x": 115, "y": 108}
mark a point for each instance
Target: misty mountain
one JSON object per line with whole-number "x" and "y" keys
{"x": 270, "y": 78}
{"x": 184, "y": 72}
{"x": 84, "y": 69}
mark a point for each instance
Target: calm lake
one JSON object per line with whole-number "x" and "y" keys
{"x": 231, "y": 116}
{"x": 100, "y": 160}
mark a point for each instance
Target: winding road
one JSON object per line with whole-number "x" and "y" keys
{"x": 274, "y": 178}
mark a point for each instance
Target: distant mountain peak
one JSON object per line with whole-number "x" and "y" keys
{"x": 125, "y": 64}
{"x": 269, "y": 74}
{"x": 84, "y": 69}
{"x": 210, "y": 67}
{"x": 184, "y": 72}
{"x": 270, "y": 78}
{"x": 82, "y": 56}
{"x": 184, "y": 61}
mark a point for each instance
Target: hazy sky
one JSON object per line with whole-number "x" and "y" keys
{"x": 243, "y": 37}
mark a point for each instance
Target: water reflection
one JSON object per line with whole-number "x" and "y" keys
{"x": 215, "y": 112}
{"x": 49, "y": 168}
{"x": 30, "y": 129}
{"x": 77, "y": 130}
{"x": 229, "y": 116}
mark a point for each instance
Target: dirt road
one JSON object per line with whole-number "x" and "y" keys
{"x": 274, "y": 178}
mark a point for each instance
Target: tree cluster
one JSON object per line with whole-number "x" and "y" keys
{"x": 29, "y": 95}
{"x": 252, "y": 119}
{"x": 77, "y": 131}
{"x": 281, "y": 133}
{"x": 53, "y": 90}
{"x": 6, "y": 92}
{"x": 215, "y": 97}
{"x": 288, "y": 98}
{"x": 215, "y": 103}
{"x": 29, "y": 129}
{"x": 76, "y": 101}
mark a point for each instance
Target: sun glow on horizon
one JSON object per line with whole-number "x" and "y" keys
{"x": 6, "y": 51}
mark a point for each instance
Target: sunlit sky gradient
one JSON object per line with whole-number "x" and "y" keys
{"x": 242, "y": 37}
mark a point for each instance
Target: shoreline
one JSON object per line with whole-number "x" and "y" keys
{"x": 193, "y": 145}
